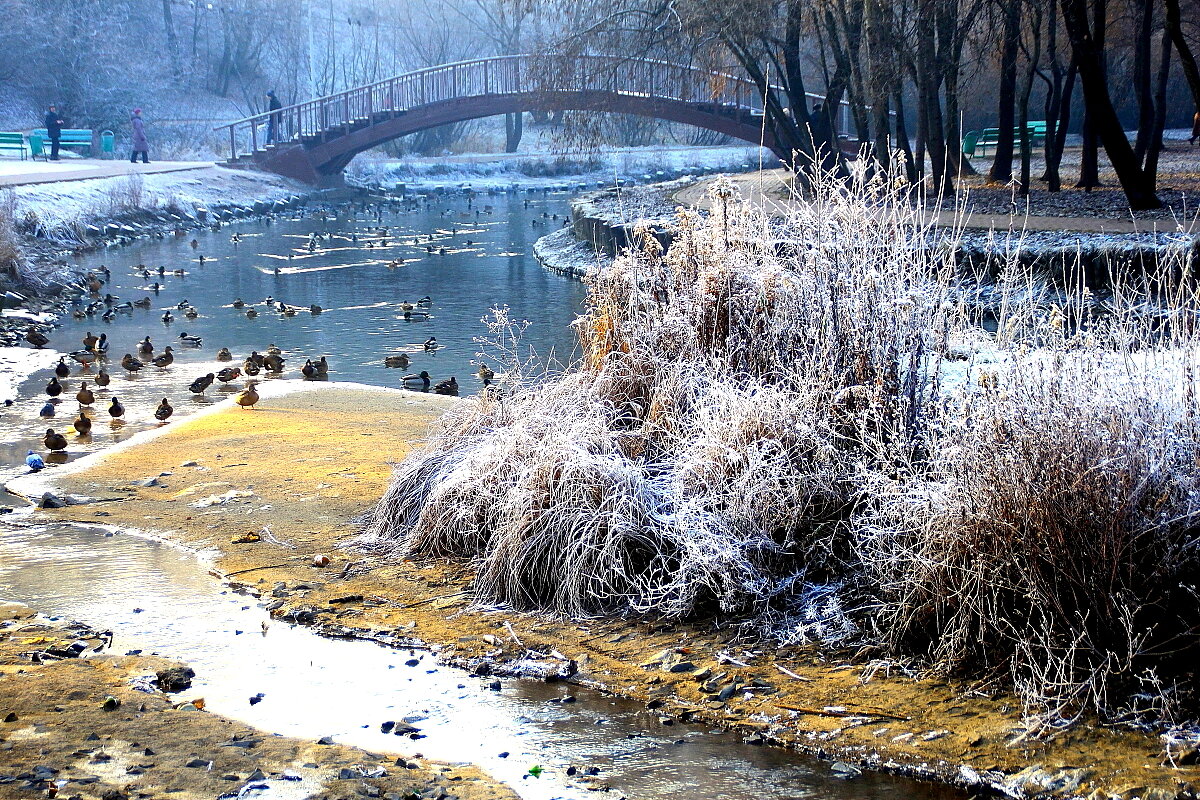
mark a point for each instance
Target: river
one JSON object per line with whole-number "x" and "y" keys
{"x": 159, "y": 598}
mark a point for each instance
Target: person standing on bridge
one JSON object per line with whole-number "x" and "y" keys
{"x": 54, "y": 125}
{"x": 273, "y": 121}
{"x": 140, "y": 145}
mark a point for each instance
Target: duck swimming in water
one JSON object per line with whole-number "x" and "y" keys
{"x": 224, "y": 355}
{"x": 449, "y": 387}
{"x": 486, "y": 374}
{"x": 400, "y": 360}
{"x": 190, "y": 341}
{"x": 413, "y": 381}
{"x": 431, "y": 343}
{"x": 145, "y": 347}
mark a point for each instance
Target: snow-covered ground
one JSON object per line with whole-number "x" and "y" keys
{"x": 483, "y": 171}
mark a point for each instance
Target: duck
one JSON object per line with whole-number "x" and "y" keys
{"x": 84, "y": 357}
{"x": 200, "y": 384}
{"x": 486, "y": 374}
{"x": 251, "y": 313}
{"x": 224, "y": 355}
{"x": 315, "y": 309}
{"x": 83, "y": 425}
{"x": 194, "y": 243}
{"x": 145, "y": 347}
{"x": 411, "y": 381}
{"x": 166, "y": 358}
{"x": 273, "y": 350}
{"x": 85, "y": 396}
{"x": 239, "y": 303}
{"x": 115, "y": 409}
{"x": 189, "y": 340}
{"x": 164, "y": 411}
{"x": 89, "y": 341}
{"x": 36, "y": 338}
{"x": 54, "y": 388}
{"x": 425, "y": 301}
{"x": 449, "y": 387}
{"x": 130, "y": 364}
{"x": 191, "y": 313}
{"x": 167, "y": 318}
{"x": 61, "y": 369}
{"x": 322, "y": 366}
{"x": 274, "y": 363}
{"x": 34, "y": 461}
{"x": 431, "y": 344}
{"x": 143, "y": 303}
{"x": 250, "y": 368}
{"x": 228, "y": 374}
{"x": 101, "y": 347}
{"x": 400, "y": 360}
{"x": 103, "y": 379}
{"x": 47, "y": 411}
{"x": 54, "y": 441}
{"x": 308, "y": 370}
{"x": 247, "y": 397}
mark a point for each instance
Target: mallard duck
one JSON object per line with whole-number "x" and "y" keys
{"x": 101, "y": 347}
{"x": 34, "y": 461}
{"x": 115, "y": 409}
{"x": 130, "y": 364}
{"x": 181, "y": 305}
{"x": 79, "y": 313}
{"x": 189, "y": 340}
{"x": 274, "y": 351}
{"x": 36, "y": 338}
{"x": 103, "y": 379}
{"x": 191, "y": 313}
{"x": 228, "y": 374}
{"x": 431, "y": 343}
{"x": 145, "y": 347}
{"x": 315, "y": 309}
{"x": 486, "y": 374}
{"x": 166, "y": 358}
{"x": 47, "y": 410}
{"x": 168, "y": 318}
{"x": 85, "y": 396}
{"x": 239, "y": 303}
{"x": 250, "y": 367}
{"x": 224, "y": 355}
{"x": 308, "y": 370}
{"x": 200, "y": 384}
{"x": 288, "y": 311}
{"x": 449, "y": 387}
{"x": 247, "y": 397}
{"x": 143, "y": 303}
{"x": 421, "y": 379}
{"x": 89, "y": 341}
{"x": 322, "y": 365}
{"x": 425, "y": 301}
{"x": 400, "y": 361}
{"x": 273, "y": 363}
{"x": 84, "y": 357}
{"x": 61, "y": 369}
{"x": 194, "y": 243}
{"x": 163, "y": 411}
{"x": 251, "y": 313}
{"x": 54, "y": 388}
{"x": 83, "y": 425}
{"x": 54, "y": 441}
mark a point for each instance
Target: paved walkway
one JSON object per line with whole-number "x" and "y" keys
{"x": 770, "y": 190}
{"x": 14, "y": 172}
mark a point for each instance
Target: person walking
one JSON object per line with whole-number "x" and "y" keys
{"x": 1195, "y": 128}
{"x": 54, "y": 126}
{"x": 273, "y": 105}
{"x": 140, "y": 145}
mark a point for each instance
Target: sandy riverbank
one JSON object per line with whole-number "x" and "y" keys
{"x": 79, "y": 725}
{"x": 308, "y": 462}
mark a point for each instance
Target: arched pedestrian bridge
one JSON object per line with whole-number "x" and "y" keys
{"x": 315, "y": 140}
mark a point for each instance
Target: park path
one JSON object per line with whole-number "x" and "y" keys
{"x": 14, "y": 172}
{"x": 769, "y": 189}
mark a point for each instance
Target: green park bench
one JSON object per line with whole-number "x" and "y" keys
{"x": 975, "y": 141}
{"x": 13, "y": 141}
{"x": 39, "y": 140}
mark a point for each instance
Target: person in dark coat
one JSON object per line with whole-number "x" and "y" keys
{"x": 273, "y": 106}
{"x": 140, "y": 145}
{"x": 54, "y": 126}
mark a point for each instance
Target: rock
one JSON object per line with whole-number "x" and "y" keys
{"x": 494, "y": 686}
{"x": 682, "y": 666}
{"x": 51, "y": 500}
{"x": 11, "y": 717}
{"x": 190, "y": 464}
{"x": 666, "y": 721}
{"x": 326, "y": 740}
{"x": 412, "y": 662}
{"x": 728, "y": 692}
{"x": 320, "y": 561}
{"x": 387, "y": 726}
{"x": 111, "y": 703}
{"x": 146, "y": 482}
{"x": 291, "y": 775}
{"x": 256, "y": 699}
{"x": 257, "y": 775}
{"x": 197, "y": 763}
{"x": 175, "y": 679}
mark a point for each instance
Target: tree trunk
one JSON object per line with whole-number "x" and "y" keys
{"x": 172, "y": 42}
{"x": 1056, "y": 136}
{"x": 950, "y": 46}
{"x": 514, "y": 127}
{"x": 1160, "y": 106}
{"x": 1142, "y": 47}
{"x": 1089, "y": 53}
{"x": 910, "y": 165}
{"x": 879, "y": 66}
{"x": 1186, "y": 59}
{"x": 1001, "y": 171}
{"x": 1034, "y": 56}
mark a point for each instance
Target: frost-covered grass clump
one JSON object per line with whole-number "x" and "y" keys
{"x": 801, "y": 422}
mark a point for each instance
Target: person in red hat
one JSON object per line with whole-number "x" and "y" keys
{"x": 140, "y": 145}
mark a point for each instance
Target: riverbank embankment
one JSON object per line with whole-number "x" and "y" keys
{"x": 307, "y": 464}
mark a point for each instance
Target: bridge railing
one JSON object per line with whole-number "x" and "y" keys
{"x": 500, "y": 75}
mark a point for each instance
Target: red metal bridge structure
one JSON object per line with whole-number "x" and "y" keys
{"x": 315, "y": 140}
